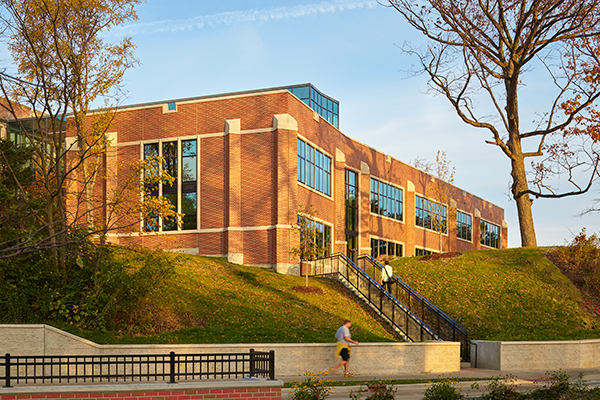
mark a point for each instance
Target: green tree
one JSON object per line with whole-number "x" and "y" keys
{"x": 310, "y": 246}
{"x": 479, "y": 52}
{"x": 62, "y": 65}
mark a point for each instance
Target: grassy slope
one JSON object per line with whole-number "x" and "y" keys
{"x": 213, "y": 301}
{"x": 512, "y": 294}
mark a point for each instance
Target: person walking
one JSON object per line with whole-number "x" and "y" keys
{"x": 386, "y": 276}
{"x": 343, "y": 350}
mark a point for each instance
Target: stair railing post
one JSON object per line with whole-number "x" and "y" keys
{"x": 172, "y": 367}
{"x": 272, "y": 365}
{"x": 252, "y": 364}
{"x": 7, "y": 370}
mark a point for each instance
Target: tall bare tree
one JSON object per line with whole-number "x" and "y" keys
{"x": 481, "y": 50}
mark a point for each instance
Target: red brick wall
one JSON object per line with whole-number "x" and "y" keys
{"x": 248, "y": 180}
{"x": 240, "y": 394}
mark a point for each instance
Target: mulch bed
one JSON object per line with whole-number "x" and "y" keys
{"x": 441, "y": 256}
{"x": 308, "y": 289}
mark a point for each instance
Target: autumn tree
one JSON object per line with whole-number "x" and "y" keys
{"x": 478, "y": 57}
{"x": 62, "y": 64}
{"x": 310, "y": 244}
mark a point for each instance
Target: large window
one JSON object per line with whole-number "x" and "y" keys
{"x": 351, "y": 198}
{"x": 464, "y": 226}
{"x": 179, "y": 161}
{"x": 430, "y": 215}
{"x": 386, "y": 200}
{"x": 322, "y": 234}
{"x": 489, "y": 234}
{"x": 381, "y": 247}
{"x": 314, "y": 168}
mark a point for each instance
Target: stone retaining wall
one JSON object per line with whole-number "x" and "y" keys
{"x": 550, "y": 355}
{"x": 290, "y": 359}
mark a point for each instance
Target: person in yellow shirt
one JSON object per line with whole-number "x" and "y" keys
{"x": 343, "y": 350}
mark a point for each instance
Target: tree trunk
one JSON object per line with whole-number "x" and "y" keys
{"x": 524, "y": 203}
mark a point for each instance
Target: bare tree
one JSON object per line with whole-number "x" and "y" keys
{"x": 482, "y": 50}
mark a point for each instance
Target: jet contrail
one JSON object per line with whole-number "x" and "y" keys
{"x": 232, "y": 17}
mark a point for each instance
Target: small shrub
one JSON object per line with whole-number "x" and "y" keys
{"x": 378, "y": 390}
{"x": 499, "y": 390}
{"x": 313, "y": 388}
{"x": 444, "y": 390}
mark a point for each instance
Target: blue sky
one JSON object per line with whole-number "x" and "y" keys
{"x": 349, "y": 49}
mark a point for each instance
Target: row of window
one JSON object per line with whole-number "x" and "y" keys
{"x": 322, "y": 236}
{"x": 314, "y": 168}
{"x": 324, "y": 105}
{"x": 386, "y": 200}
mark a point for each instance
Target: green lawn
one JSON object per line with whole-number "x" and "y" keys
{"x": 510, "y": 294}
{"x": 213, "y": 301}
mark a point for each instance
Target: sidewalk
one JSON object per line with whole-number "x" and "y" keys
{"x": 523, "y": 379}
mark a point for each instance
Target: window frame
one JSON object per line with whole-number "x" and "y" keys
{"x": 313, "y": 167}
{"x": 460, "y": 223}
{"x": 380, "y": 193}
{"x": 498, "y": 238}
{"x": 422, "y": 213}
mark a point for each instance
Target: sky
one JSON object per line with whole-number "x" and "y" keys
{"x": 351, "y": 51}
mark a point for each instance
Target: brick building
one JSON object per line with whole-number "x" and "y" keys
{"x": 246, "y": 163}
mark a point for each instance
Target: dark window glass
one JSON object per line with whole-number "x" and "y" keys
{"x": 374, "y": 248}
{"x": 301, "y": 161}
{"x": 310, "y": 166}
{"x": 170, "y": 223}
{"x": 399, "y": 251}
{"x": 319, "y": 171}
{"x": 327, "y": 175}
{"x": 374, "y": 196}
{"x": 189, "y": 207}
{"x": 399, "y": 202}
{"x": 490, "y": 234}
{"x": 463, "y": 226}
{"x": 422, "y": 252}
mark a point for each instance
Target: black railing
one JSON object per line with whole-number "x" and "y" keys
{"x": 171, "y": 368}
{"x": 443, "y": 325}
{"x": 400, "y": 317}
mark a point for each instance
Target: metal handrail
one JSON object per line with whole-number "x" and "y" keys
{"x": 425, "y": 332}
{"x": 458, "y": 332}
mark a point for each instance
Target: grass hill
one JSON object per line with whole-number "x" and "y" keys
{"x": 510, "y": 294}
{"x": 209, "y": 300}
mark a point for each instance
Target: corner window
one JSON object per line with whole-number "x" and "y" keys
{"x": 489, "y": 234}
{"x": 386, "y": 200}
{"x": 314, "y": 168}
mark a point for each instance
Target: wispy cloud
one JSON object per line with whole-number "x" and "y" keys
{"x": 233, "y": 17}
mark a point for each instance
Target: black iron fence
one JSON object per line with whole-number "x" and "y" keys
{"x": 443, "y": 325}
{"x": 171, "y": 368}
{"x": 400, "y": 317}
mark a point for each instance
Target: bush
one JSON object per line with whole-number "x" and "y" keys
{"x": 379, "y": 391}
{"x": 97, "y": 288}
{"x": 499, "y": 390}
{"x": 444, "y": 390}
{"x": 313, "y": 388}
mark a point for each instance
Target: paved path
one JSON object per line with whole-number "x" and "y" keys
{"x": 523, "y": 379}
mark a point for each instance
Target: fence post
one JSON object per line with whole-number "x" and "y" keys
{"x": 272, "y": 365}
{"x": 252, "y": 364}
{"x": 172, "y": 367}
{"x": 7, "y": 370}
